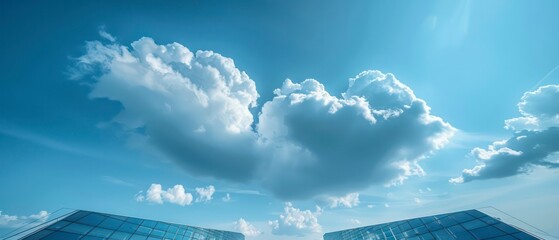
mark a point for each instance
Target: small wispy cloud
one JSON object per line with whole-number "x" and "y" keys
{"x": 226, "y": 198}
{"x": 35, "y": 138}
{"x": 117, "y": 181}
{"x": 104, "y": 34}
{"x": 350, "y": 200}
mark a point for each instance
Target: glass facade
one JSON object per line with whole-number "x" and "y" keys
{"x": 471, "y": 224}
{"x": 87, "y": 225}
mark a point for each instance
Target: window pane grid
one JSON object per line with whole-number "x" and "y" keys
{"x": 471, "y": 224}
{"x": 84, "y": 225}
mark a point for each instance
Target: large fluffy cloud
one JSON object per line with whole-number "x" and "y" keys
{"x": 534, "y": 142}
{"x": 192, "y": 107}
{"x": 195, "y": 108}
{"x": 375, "y": 133}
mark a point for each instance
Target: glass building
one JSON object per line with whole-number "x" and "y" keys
{"x": 88, "y": 225}
{"x": 471, "y": 224}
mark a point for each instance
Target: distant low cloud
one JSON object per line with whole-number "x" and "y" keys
{"x": 155, "y": 194}
{"x": 195, "y": 108}
{"x": 296, "y": 222}
{"x": 13, "y": 221}
{"x": 246, "y": 228}
{"x": 350, "y": 200}
{"x": 205, "y": 194}
{"x": 534, "y": 142}
{"x": 226, "y": 198}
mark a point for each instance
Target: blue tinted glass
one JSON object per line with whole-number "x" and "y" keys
{"x": 157, "y": 233}
{"x": 474, "y": 224}
{"x": 461, "y": 217}
{"x": 62, "y": 236}
{"x": 172, "y": 229}
{"x": 198, "y": 235}
{"x": 523, "y": 236}
{"x": 138, "y": 237}
{"x": 426, "y": 236}
{"x": 506, "y": 228}
{"x": 181, "y": 230}
{"x": 464, "y": 236}
{"x": 434, "y": 226}
{"x": 415, "y": 222}
{"x": 475, "y": 213}
{"x": 149, "y": 223}
{"x": 111, "y": 223}
{"x": 427, "y": 220}
{"x": 442, "y": 235}
{"x": 447, "y": 222}
{"x": 128, "y": 227}
{"x": 505, "y": 237}
{"x": 134, "y": 220}
{"x": 92, "y": 219}
{"x": 76, "y": 216}
{"x": 169, "y": 235}
{"x": 143, "y": 230}
{"x": 409, "y": 233}
{"x": 405, "y": 226}
{"x": 39, "y": 235}
{"x": 489, "y": 220}
{"x": 162, "y": 226}
{"x": 421, "y": 230}
{"x": 487, "y": 232}
{"x": 91, "y": 238}
{"x": 120, "y": 235}
{"x": 58, "y": 225}
{"x": 456, "y": 229}
{"x": 123, "y": 218}
{"x": 154, "y": 238}
{"x": 100, "y": 232}
{"x": 77, "y": 228}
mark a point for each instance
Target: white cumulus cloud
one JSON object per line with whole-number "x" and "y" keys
{"x": 296, "y": 222}
{"x": 155, "y": 194}
{"x": 205, "y": 194}
{"x": 246, "y": 228}
{"x": 350, "y": 200}
{"x": 534, "y": 141}
{"x": 195, "y": 108}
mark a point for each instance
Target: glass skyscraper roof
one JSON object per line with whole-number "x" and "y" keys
{"x": 471, "y": 224}
{"x": 87, "y": 225}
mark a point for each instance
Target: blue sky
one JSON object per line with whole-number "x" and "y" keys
{"x": 138, "y": 110}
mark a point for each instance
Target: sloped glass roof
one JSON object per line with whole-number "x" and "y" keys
{"x": 85, "y": 225}
{"x": 470, "y": 224}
